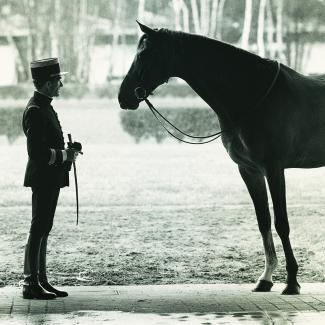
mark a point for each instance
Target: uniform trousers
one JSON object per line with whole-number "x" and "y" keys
{"x": 44, "y": 201}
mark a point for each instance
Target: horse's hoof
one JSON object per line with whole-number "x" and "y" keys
{"x": 263, "y": 286}
{"x": 292, "y": 289}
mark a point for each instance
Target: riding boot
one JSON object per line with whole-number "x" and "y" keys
{"x": 42, "y": 271}
{"x": 31, "y": 287}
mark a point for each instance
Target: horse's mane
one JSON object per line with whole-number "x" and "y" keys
{"x": 225, "y": 64}
{"x": 212, "y": 43}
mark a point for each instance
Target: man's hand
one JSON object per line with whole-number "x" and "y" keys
{"x": 72, "y": 154}
{"x": 76, "y": 146}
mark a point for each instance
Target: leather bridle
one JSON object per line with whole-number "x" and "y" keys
{"x": 141, "y": 94}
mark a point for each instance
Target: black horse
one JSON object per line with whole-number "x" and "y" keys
{"x": 271, "y": 116}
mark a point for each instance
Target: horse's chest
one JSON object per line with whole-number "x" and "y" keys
{"x": 240, "y": 152}
{"x": 239, "y": 155}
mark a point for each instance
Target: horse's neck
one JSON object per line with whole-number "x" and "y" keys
{"x": 230, "y": 80}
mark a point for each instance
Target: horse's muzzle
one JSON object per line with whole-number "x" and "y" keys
{"x": 140, "y": 95}
{"x": 127, "y": 102}
{"x": 128, "y": 106}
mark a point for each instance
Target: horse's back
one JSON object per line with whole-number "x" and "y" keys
{"x": 318, "y": 78}
{"x": 304, "y": 115}
{"x": 290, "y": 127}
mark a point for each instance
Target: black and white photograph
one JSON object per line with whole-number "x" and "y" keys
{"x": 162, "y": 162}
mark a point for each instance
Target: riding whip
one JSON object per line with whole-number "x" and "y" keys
{"x": 75, "y": 179}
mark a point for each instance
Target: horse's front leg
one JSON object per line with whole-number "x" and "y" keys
{"x": 255, "y": 183}
{"x": 276, "y": 180}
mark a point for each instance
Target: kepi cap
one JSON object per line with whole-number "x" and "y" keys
{"x": 46, "y": 69}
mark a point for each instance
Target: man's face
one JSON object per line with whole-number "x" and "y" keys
{"x": 53, "y": 87}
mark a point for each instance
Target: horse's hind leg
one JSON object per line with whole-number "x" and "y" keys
{"x": 255, "y": 183}
{"x": 276, "y": 181}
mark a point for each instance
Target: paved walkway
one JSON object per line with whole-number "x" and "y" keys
{"x": 167, "y": 304}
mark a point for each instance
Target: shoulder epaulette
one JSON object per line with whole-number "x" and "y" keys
{"x": 32, "y": 106}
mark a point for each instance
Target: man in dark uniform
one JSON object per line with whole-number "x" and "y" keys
{"x": 47, "y": 171}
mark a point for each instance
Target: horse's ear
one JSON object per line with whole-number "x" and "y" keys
{"x": 147, "y": 30}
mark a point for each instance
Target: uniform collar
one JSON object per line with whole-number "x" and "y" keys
{"x": 42, "y": 99}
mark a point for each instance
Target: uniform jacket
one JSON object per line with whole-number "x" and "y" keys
{"x": 43, "y": 132}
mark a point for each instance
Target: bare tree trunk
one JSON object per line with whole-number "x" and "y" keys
{"x": 26, "y": 6}
{"x": 279, "y": 31}
{"x": 30, "y": 12}
{"x": 116, "y": 31}
{"x": 220, "y": 19}
{"x": 54, "y": 41}
{"x": 46, "y": 20}
{"x": 141, "y": 11}
{"x": 213, "y": 19}
{"x": 23, "y": 58}
{"x": 296, "y": 44}
{"x": 186, "y": 17}
{"x": 287, "y": 30}
{"x": 72, "y": 52}
{"x": 289, "y": 52}
{"x": 205, "y": 16}
{"x": 247, "y": 24}
{"x": 82, "y": 36}
{"x": 270, "y": 30}
{"x": 177, "y": 14}
{"x": 19, "y": 61}
{"x": 302, "y": 51}
{"x": 181, "y": 15}
{"x": 90, "y": 39}
{"x": 196, "y": 18}
{"x": 261, "y": 28}
{"x": 306, "y": 56}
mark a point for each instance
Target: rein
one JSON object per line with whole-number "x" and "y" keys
{"x": 156, "y": 113}
{"x": 141, "y": 94}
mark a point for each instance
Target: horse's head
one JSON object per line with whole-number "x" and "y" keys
{"x": 150, "y": 68}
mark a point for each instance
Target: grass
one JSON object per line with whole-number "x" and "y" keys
{"x": 153, "y": 213}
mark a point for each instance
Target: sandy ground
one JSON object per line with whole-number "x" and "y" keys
{"x": 154, "y": 214}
